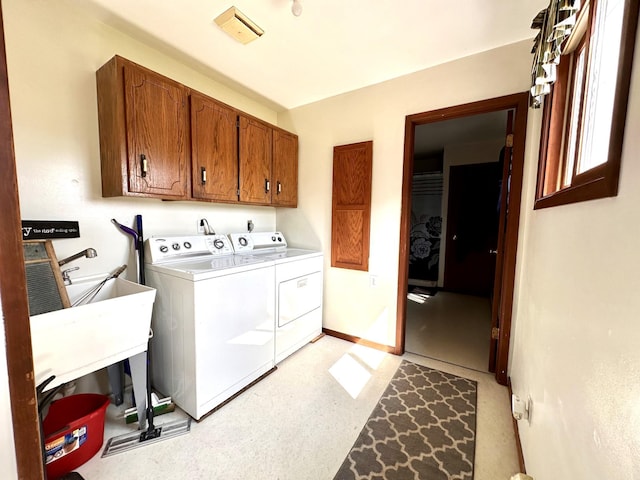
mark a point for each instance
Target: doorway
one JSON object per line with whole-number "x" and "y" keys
{"x": 477, "y": 239}
{"x": 451, "y": 321}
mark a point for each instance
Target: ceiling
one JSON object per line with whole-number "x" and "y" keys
{"x": 335, "y": 46}
{"x": 431, "y": 138}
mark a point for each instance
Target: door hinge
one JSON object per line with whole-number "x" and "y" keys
{"x": 509, "y": 141}
{"x": 495, "y": 333}
{"x": 238, "y": 192}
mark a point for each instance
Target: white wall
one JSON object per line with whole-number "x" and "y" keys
{"x": 378, "y": 113}
{"x": 577, "y": 330}
{"x": 7, "y": 450}
{"x": 53, "y": 51}
{"x": 575, "y": 327}
{"x": 576, "y": 335}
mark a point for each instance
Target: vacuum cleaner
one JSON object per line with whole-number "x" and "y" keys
{"x": 152, "y": 433}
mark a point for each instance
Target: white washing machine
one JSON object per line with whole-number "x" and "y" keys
{"x": 298, "y": 287}
{"x": 213, "y": 319}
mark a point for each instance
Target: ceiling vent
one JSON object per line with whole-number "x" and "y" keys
{"x": 238, "y": 25}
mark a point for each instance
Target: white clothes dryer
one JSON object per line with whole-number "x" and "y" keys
{"x": 298, "y": 287}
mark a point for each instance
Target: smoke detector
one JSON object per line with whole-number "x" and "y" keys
{"x": 238, "y": 25}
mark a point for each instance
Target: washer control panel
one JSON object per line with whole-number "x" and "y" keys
{"x": 257, "y": 241}
{"x": 159, "y": 249}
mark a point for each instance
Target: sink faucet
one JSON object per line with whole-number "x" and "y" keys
{"x": 65, "y": 275}
{"x": 89, "y": 253}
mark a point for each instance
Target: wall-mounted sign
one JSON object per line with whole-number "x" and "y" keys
{"x": 45, "y": 229}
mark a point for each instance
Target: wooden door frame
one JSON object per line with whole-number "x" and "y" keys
{"x": 520, "y": 103}
{"x": 507, "y": 160}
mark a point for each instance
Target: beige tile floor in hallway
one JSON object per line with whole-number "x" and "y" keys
{"x": 451, "y": 327}
{"x": 300, "y": 422}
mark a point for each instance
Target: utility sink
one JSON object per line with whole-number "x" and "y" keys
{"x": 75, "y": 341}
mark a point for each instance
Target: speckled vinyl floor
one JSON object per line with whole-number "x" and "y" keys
{"x": 300, "y": 422}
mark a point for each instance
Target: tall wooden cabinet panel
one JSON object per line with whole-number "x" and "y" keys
{"x": 143, "y": 121}
{"x": 351, "y": 205}
{"x": 214, "y": 150}
{"x": 255, "y": 151}
{"x": 285, "y": 169}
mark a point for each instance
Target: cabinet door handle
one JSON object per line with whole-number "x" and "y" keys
{"x": 203, "y": 175}
{"x": 143, "y": 165}
{"x": 279, "y": 189}
{"x": 267, "y": 185}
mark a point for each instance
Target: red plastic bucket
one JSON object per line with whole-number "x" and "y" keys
{"x": 73, "y": 432}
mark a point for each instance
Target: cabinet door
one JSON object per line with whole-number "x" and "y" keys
{"x": 285, "y": 169}
{"x": 156, "y": 131}
{"x": 255, "y": 161}
{"x": 351, "y": 205}
{"x": 214, "y": 150}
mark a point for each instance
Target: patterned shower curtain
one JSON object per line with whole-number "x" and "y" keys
{"x": 426, "y": 226}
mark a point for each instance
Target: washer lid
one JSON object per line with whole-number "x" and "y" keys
{"x": 201, "y": 268}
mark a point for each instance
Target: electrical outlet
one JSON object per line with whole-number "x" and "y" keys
{"x": 373, "y": 281}
{"x": 520, "y": 408}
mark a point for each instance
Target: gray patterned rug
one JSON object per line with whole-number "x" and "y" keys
{"x": 423, "y": 427}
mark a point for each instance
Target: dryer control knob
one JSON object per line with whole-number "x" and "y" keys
{"x": 243, "y": 241}
{"x": 218, "y": 243}
{"x": 187, "y": 245}
{"x": 176, "y": 246}
{"x": 164, "y": 249}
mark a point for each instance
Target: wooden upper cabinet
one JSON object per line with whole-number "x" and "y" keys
{"x": 255, "y": 145}
{"x": 143, "y": 120}
{"x": 351, "y": 205}
{"x": 285, "y": 169}
{"x": 160, "y": 139}
{"x": 214, "y": 150}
